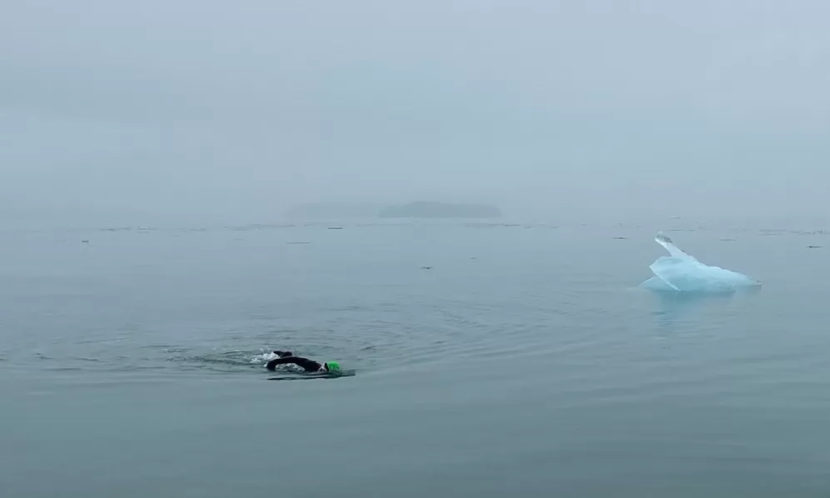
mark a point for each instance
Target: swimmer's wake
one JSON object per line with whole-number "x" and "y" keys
{"x": 681, "y": 272}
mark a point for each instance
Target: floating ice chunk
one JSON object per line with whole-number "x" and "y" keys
{"x": 681, "y": 272}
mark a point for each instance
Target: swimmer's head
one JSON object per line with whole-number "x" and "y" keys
{"x": 332, "y": 367}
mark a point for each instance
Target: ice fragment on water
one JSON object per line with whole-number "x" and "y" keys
{"x": 681, "y": 272}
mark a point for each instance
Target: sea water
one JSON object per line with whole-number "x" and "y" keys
{"x": 491, "y": 359}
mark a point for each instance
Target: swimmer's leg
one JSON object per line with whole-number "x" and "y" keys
{"x": 283, "y": 354}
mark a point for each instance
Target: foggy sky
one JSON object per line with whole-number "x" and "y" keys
{"x": 214, "y": 110}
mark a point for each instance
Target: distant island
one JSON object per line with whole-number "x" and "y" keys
{"x": 440, "y": 210}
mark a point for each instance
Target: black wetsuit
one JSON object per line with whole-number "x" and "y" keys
{"x": 288, "y": 358}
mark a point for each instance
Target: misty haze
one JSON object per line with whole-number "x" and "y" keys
{"x": 443, "y": 216}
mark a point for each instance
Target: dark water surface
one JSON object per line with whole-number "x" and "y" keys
{"x": 491, "y": 360}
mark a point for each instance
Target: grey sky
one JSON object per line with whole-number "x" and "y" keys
{"x": 238, "y": 110}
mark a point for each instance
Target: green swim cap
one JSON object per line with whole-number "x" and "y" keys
{"x": 332, "y": 366}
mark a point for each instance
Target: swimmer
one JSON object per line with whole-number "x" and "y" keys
{"x": 288, "y": 358}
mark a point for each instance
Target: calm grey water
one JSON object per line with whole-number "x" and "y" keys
{"x": 525, "y": 360}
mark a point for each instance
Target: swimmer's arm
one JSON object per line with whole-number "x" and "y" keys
{"x": 304, "y": 363}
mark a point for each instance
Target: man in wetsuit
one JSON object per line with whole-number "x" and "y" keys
{"x": 288, "y": 358}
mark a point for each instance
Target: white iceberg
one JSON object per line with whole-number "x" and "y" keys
{"x": 681, "y": 272}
